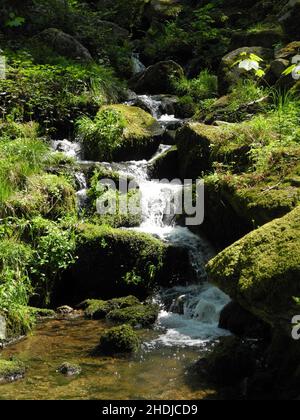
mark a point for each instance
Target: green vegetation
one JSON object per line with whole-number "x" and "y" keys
{"x": 11, "y": 370}
{"x": 119, "y": 340}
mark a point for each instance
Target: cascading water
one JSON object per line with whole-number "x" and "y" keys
{"x": 190, "y": 313}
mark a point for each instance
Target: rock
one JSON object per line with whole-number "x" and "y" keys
{"x": 140, "y": 138}
{"x": 289, "y": 18}
{"x": 266, "y": 38}
{"x": 229, "y": 75}
{"x": 166, "y": 166}
{"x": 158, "y": 78}
{"x": 241, "y": 322}
{"x": 231, "y": 361}
{"x": 260, "y": 271}
{"x": 64, "y": 44}
{"x": 11, "y": 370}
{"x": 98, "y": 309}
{"x": 46, "y": 195}
{"x": 200, "y": 145}
{"x": 64, "y": 310}
{"x": 138, "y": 315}
{"x": 118, "y": 340}
{"x": 116, "y": 262}
{"x": 69, "y": 369}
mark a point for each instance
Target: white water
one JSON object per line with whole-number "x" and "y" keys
{"x": 190, "y": 313}
{"x": 137, "y": 65}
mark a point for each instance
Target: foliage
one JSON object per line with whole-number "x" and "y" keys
{"x": 103, "y": 134}
{"x": 54, "y": 95}
{"x": 204, "y": 86}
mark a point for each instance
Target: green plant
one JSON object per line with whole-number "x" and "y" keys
{"x": 204, "y": 86}
{"x": 103, "y": 134}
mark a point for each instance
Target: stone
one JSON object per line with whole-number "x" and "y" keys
{"x": 158, "y": 78}
{"x": 118, "y": 340}
{"x": 261, "y": 271}
{"x": 64, "y": 44}
{"x": 289, "y": 18}
{"x": 69, "y": 369}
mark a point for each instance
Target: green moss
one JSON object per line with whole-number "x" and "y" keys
{"x": 261, "y": 270}
{"x": 112, "y": 262}
{"x": 119, "y": 340}
{"x": 98, "y": 309}
{"x": 142, "y": 315}
{"x": 141, "y": 134}
{"x": 11, "y": 370}
{"x": 42, "y": 312}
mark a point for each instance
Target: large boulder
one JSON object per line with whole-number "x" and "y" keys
{"x": 64, "y": 44}
{"x": 114, "y": 262}
{"x": 230, "y": 74}
{"x": 261, "y": 271}
{"x": 158, "y": 78}
{"x": 289, "y": 18}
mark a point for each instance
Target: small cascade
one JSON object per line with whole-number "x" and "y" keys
{"x": 70, "y": 149}
{"x": 81, "y": 194}
{"x": 137, "y": 65}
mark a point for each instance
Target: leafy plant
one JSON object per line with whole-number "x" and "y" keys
{"x": 102, "y": 135}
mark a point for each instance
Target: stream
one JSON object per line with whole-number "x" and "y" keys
{"x": 186, "y": 327}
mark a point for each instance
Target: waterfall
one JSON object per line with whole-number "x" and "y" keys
{"x": 137, "y": 65}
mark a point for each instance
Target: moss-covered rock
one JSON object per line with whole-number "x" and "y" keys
{"x": 113, "y": 262}
{"x": 11, "y": 370}
{"x": 48, "y": 195}
{"x": 69, "y": 369}
{"x": 261, "y": 270}
{"x": 138, "y": 315}
{"x": 98, "y": 309}
{"x": 200, "y": 145}
{"x": 139, "y": 138}
{"x": 118, "y": 340}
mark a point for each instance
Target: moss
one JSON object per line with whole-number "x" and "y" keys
{"x": 261, "y": 270}
{"x": 142, "y": 315}
{"x": 141, "y": 134}
{"x": 119, "y": 340}
{"x": 42, "y": 312}
{"x": 200, "y": 146}
{"x": 11, "y": 370}
{"x": 98, "y": 309}
{"x": 112, "y": 262}
{"x": 47, "y": 195}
